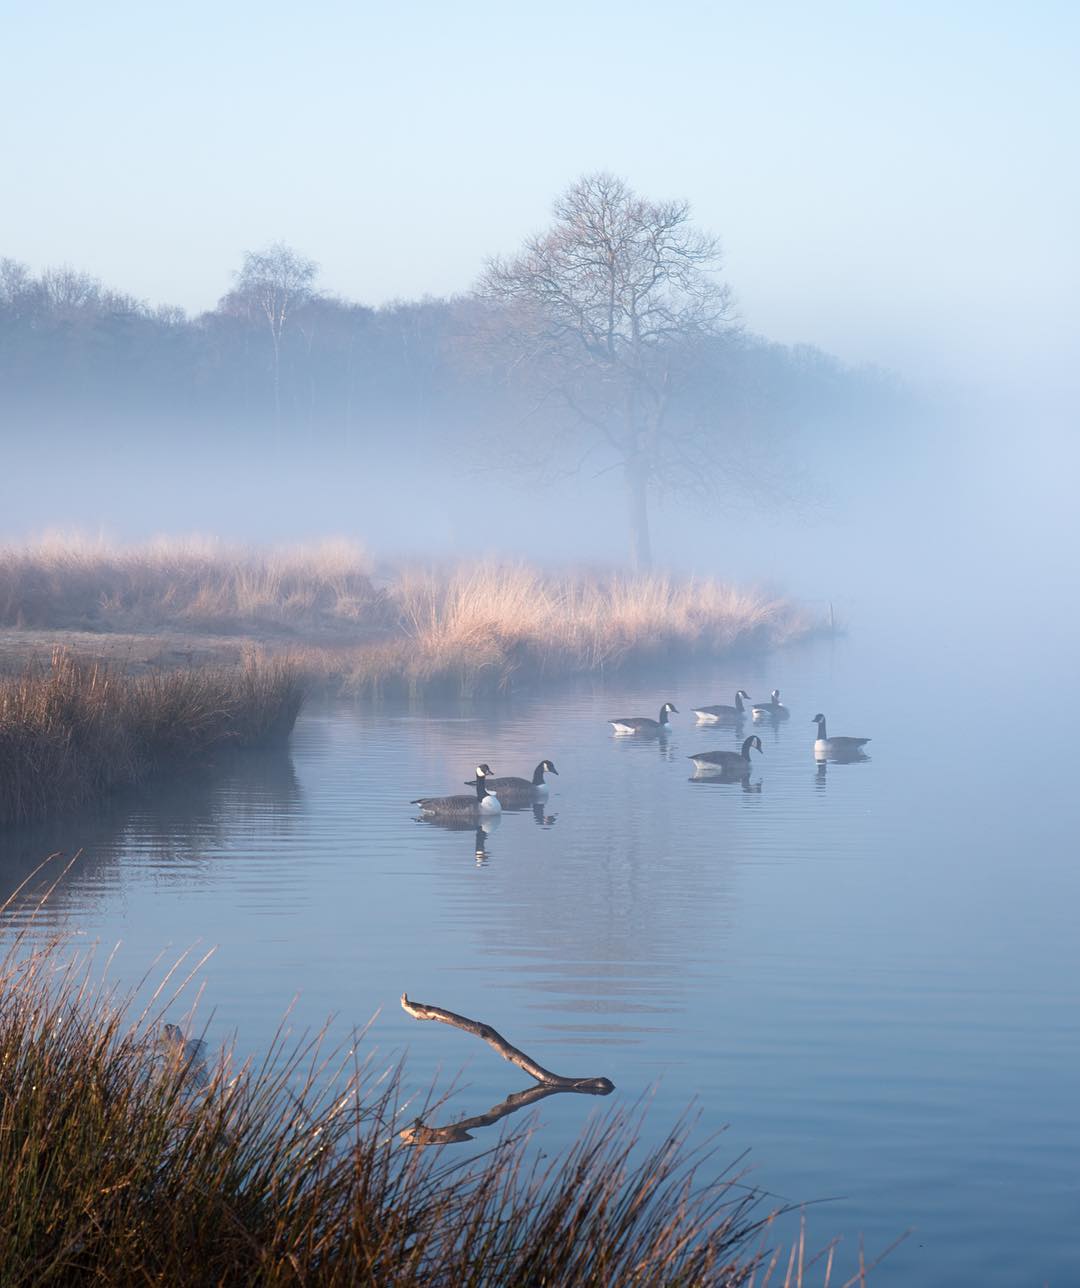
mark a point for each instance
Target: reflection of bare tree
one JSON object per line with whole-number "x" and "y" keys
{"x": 453, "y": 1133}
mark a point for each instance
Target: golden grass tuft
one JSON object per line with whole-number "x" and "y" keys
{"x": 486, "y": 627}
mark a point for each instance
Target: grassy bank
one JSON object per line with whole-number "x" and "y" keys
{"x": 461, "y": 629}
{"x": 72, "y": 731}
{"x": 115, "y": 1167}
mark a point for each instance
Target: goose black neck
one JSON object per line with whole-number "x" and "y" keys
{"x": 747, "y": 742}
{"x": 738, "y": 703}
{"x": 821, "y": 729}
{"x": 481, "y": 790}
{"x": 663, "y": 715}
{"x": 538, "y": 775}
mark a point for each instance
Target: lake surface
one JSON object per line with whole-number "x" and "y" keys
{"x": 868, "y": 971}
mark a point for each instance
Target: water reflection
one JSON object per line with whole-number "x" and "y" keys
{"x": 726, "y": 777}
{"x": 454, "y": 1133}
{"x": 480, "y": 831}
{"x": 178, "y": 823}
{"x": 841, "y": 757}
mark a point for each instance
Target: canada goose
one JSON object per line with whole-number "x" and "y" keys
{"x": 727, "y": 761}
{"x": 773, "y": 708}
{"x": 834, "y": 746}
{"x": 642, "y": 724}
{"x": 483, "y": 802}
{"x": 522, "y": 790}
{"x": 722, "y": 714}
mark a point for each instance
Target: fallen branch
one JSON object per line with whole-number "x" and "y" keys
{"x": 598, "y": 1086}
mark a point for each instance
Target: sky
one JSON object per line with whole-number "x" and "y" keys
{"x": 896, "y": 182}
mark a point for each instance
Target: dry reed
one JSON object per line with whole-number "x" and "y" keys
{"x": 72, "y": 731}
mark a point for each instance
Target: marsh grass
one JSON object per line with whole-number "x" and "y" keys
{"x": 75, "y": 583}
{"x": 73, "y": 731}
{"x": 460, "y": 629}
{"x": 488, "y": 627}
{"x": 117, "y": 1167}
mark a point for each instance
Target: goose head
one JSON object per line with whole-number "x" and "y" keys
{"x": 753, "y": 743}
{"x": 549, "y": 768}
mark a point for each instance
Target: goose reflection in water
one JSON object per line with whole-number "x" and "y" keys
{"x": 841, "y": 758}
{"x": 454, "y": 1133}
{"x": 540, "y": 818}
{"x": 727, "y": 777}
{"x": 480, "y": 830}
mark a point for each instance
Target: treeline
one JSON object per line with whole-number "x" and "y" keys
{"x": 317, "y": 366}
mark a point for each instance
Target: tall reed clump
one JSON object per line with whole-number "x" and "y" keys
{"x": 118, "y": 1167}
{"x": 72, "y": 731}
{"x": 486, "y": 627}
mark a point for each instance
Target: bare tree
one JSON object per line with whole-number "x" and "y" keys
{"x": 600, "y": 321}
{"x": 271, "y": 283}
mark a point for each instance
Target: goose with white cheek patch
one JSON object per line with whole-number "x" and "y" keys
{"x": 643, "y": 725}
{"x": 721, "y": 714}
{"x": 477, "y": 806}
{"x": 826, "y": 746}
{"x": 771, "y": 710}
{"x": 520, "y": 791}
{"x": 727, "y": 762}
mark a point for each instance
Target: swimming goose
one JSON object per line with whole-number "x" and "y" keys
{"x": 721, "y": 714}
{"x": 773, "y": 708}
{"x": 728, "y": 761}
{"x": 484, "y": 802}
{"x": 642, "y": 724}
{"x": 523, "y": 790}
{"x": 826, "y": 745}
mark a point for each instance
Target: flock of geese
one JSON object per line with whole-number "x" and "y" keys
{"x": 491, "y": 793}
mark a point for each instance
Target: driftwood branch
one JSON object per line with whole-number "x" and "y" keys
{"x": 598, "y": 1086}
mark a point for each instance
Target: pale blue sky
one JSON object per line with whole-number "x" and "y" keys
{"x": 896, "y": 182}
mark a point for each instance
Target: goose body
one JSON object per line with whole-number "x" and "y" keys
{"x": 824, "y": 745}
{"x": 478, "y": 805}
{"x": 642, "y": 724}
{"x": 737, "y": 762}
{"x": 722, "y": 714}
{"x": 524, "y": 790}
{"x": 773, "y": 709}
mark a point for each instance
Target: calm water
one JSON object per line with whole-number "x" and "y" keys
{"x": 868, "y": 971}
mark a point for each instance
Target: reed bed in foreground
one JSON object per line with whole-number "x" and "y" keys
{"x": 116, "y": 1167}
{"x": 72, "y": 731}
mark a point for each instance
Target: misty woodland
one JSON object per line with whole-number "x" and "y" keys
{"x": 609, "y": 343}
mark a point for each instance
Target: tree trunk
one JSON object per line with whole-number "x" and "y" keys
{"x": 637, "y": 494}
